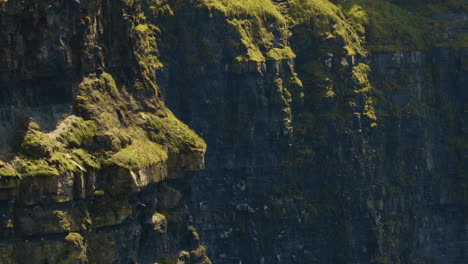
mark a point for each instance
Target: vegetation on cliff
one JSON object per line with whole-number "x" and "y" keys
{"x": 253, "y": 24}
{"x": 119, "y": 116}
{"x": 391, "y": 27}
{"x": 120, "y": 124}
{"x": 387, "y": 26}
{"x": 328, "y": 23}
{"x": 115, "y": 121}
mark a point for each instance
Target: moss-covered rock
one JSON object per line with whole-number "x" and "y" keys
{"x": 138, "y": 155}
{"x": 329, "y": 24}
{"x": 7, "y": 171}
{"x": 173, "y": 134}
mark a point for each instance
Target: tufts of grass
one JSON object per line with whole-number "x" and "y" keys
{"x": 41, "y": 154}
{"x": 252, "y": 24}
{"x": 329, "y": 23}
{"x": 138, "y": 155}
{"x": 160, "y": 216}
{"x": 35, "y": 167}
{"x": 142, "y": 28}
{"x": 361, "y": 75}
{"x": 80, "y": 248}
{"x": 84, "y": 157}
{"x": 76, "y": 239}
{"x": 280, "y": 53}
{"x": 37, "y": 144}
{"x": 261, "y": 9}
{"x": 388, "y": 27}
{"x": 172, "y": 133}
{"x": 7, "y": 170}
{"x": 80, "y": 134}
{"x": 156, "y": 8}
{"x": 95, "y": 95}
{"x": 145, "y": 52}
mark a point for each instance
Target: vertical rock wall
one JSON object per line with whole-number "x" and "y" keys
{"x": 328, "y": 158}
{"x": 351, "y": 193}
{"x": 319, "y": 151}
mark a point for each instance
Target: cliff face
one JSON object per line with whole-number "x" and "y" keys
{"x": 333, "y": 156}
{"x": 344, "y": 190}
{"x": 94, "y": 166}
{"x": 336, "y": 131}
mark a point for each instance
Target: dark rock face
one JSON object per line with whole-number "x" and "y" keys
{"x": 240, "y": 111}
{"x": 390, "y": 193}
{"x": 315, "y": 154}
{"x": 101, "y": 213}
{"x": 99, "y": 229}
{"x": 46, "y": 50}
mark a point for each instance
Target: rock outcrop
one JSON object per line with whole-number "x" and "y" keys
{"x": 95, "y": 168}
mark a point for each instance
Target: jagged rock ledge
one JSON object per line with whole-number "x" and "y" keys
{"x": 72, "y": 215}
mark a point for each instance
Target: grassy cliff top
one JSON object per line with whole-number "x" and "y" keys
{"x": 361, "y": 25}
{"x": 259, "y": 9}
{"x": 412, "y": 25}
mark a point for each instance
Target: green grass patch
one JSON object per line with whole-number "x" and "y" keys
{"x": 6, "y": 170}
{"x": 35, "y": 167}
{"x": 80, "y": 134}
{"x": 361, "y": 75}
{"x": 160, "y": 216}
{"x": 172, "y": 133}
{"x": 138, "y": 155}
{"x": 84, "y": 157}
{"x": 41, "y": 154}
{"x": 262, "y": 9}
{"x": 142, "y": 28}
{"x": 329, "y": 23}
{"x": 145, "y": 52}
{"x": 36, "y": 144}
{"x": 280, "y": 53}
{"x": 251, "y": 25}
{"x": 387, "y": 26}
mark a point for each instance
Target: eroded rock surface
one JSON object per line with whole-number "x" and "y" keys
{"x": 336, "y": 131}
{"x": 94, "y": 166}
